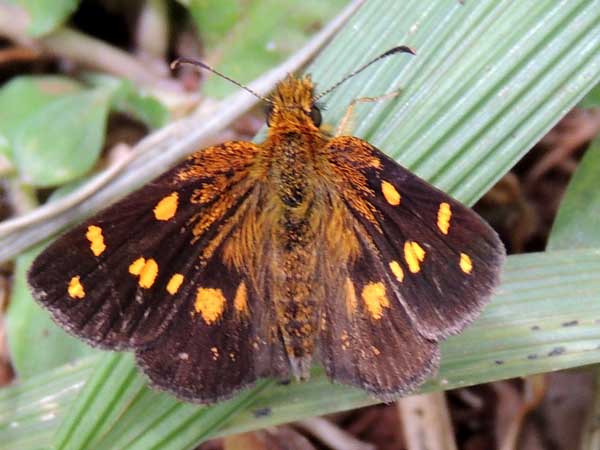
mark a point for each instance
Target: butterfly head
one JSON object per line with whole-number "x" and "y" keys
{"x": 292, "y": 107}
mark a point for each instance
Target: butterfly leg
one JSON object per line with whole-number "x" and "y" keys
{"x": 346, "y": 125}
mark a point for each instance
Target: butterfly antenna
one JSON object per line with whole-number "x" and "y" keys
{"x": 198, "y": 63}
{"x": 392, "y": 51}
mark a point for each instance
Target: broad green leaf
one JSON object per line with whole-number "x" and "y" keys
{"x": 592, "y": 99}
{"x": 47, "y": 16}
{"x": 24, "y": 95}
{"x": 30, "y": 411}
{"x": 5, "y": 149}
{"x": 214, "y": 19}
{"x": 130, "y": 99}
{"x": 141, "y": 106}
{"x": 577, "y": 224}
{"x": 31, "y": 332}
{"x": 246, "y": 38}
{"x": 62, "y": 140}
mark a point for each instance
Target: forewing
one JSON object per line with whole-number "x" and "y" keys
{"x": 442, "y": 259}
{"x": 118, "y": 279}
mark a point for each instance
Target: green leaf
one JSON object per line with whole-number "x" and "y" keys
{"x": 132, "y": 100}
{"x": 47, "y": 16}
{"x": 22, "y": 96}
{"x": 140, "y": 105}
{"x": 213, "y": 18}
{"x": 249, "y": 37}
{"x": 5, "y": 149}
{"x": 31, "y": 332}
{"x": 31, "y": 410}
{"x": 577, "y": 224}
{"x": 92, "y": 434}
{"x": 62, "y": 140}
{"x": 145, "y": 108}
{"x": 592, "y": 99}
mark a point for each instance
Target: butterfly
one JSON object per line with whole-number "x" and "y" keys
{"x": 255, "y": 260}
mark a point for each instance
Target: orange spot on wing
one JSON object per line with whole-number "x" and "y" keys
{"x": 174, "y": 283}
{"x": 240, "y": 301}
{"x": 148, "y": 274}
{"x": 375, "y": 299}
{"x": 392, "y": 196}
{"x": 443, "y": 217}
{"x": 75, "y": 288}
{"x": 210, "y": 303}
{"x": 167, "y": 207}
{"x": 146, "y": 269}
{"x": 94, "y": 235}
{"x": 414, "y": 256}
{"x": 397, "y": 271}
{"x": 135, "y": 268}
{"x": 465, "y": 263}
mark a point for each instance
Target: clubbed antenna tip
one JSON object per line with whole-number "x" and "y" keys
{"x": 198, "y": 63}
{"x": 391, "y": 51}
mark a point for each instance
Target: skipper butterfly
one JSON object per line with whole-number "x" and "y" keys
{"x": 252, "y": 260}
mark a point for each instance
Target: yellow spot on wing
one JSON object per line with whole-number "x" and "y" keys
{"x": 148, "y": 274}
{"x": 135, "y": 268}
{"x": 146, "y": 269}
{"x": 167, "y": 207}
{"x": 375, "y": 299}
{"x": 351, "y": 302}
{"x": 414, "y": 256}
{"x": 210, "y": 303}
{"x": 174, "y": 283}
{"x": 390, "y": 193}
{"x": 397, "y": 271}
{"x": 240, "y": 302}
{"x": 94, "y": 235}
{"x": 466, "y": 264}
{"x": 75, "y": 288}
{"x": 443, "y": 217}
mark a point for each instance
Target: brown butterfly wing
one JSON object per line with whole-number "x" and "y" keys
{"x": 409, "y": 220}
{"x": 87, "y": 278}
{"x": 427, "y": 265}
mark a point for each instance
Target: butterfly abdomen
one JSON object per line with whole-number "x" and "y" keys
{"x": 294, "y": 263}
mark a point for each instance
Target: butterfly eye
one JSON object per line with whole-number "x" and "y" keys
{"x": 315, "y": 115}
